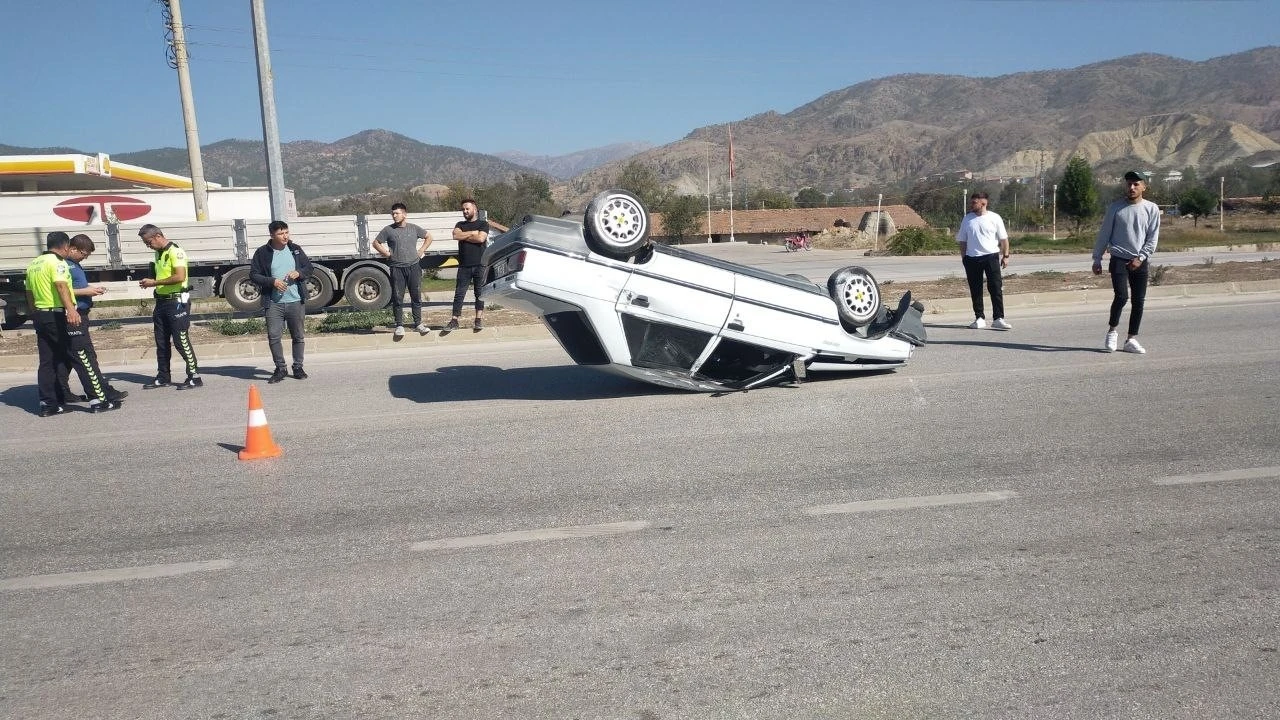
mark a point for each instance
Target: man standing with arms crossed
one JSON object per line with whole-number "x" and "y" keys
{"x": 171, "y": 318}
{"x": 398, "y": 242}
{"x": 53, "y": 310}
{"x": 984, "y": 245}
{"x": 281, "y": 268}
{"x": 1130, "y": 231}
{"x": 471, "y": 234}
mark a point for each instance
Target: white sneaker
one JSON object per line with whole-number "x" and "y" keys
{"x": 1110, "y": 344}
{"x": 1132, "y": 345}
{"x": 978, "y": 324}
{"x": 399, "y": 332}
{"x": 1001, "y": 324}
{"x": 423, "y": 329}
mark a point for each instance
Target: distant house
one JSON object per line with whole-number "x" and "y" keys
{"x": 772, "y": 226}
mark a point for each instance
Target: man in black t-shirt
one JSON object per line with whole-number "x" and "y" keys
{"x": 471, "y": 235}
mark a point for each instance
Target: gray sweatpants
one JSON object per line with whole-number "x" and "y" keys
{"x": 279, "y": 315}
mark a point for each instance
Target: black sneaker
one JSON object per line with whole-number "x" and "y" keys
{"x": 51, "y": 410}
{"x": 191, "y": 382}
{"x": 157, "y": 383}
{"x": 277, "y": 376}
{"x": 114, "y": 394}
{"x": 478, "y": 325}
{"x": 74, "y": 398}
{"x": 300, "y": 374}
{"x": 103, "y": 405}
{"x": 449, "y": 327}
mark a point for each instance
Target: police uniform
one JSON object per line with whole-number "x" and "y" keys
{"x": 171, "y": 318}
{"x": 56, "y": 340}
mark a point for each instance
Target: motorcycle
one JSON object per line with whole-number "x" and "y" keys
{"x": 796, "y": 243}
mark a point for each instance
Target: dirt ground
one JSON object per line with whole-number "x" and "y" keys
{"x": 114, "y": 335}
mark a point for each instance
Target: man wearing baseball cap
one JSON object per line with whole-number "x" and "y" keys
{"x": 1130, "y": 230}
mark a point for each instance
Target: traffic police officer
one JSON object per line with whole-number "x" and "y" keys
{"x": 58, "y": 330}
{"x": 171, "y": 318}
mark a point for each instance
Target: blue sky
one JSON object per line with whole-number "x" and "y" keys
{"x": 544, "y": 78}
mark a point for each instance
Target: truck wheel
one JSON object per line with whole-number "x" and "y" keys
{"x": 616, "y": 224}
{"x": 240, "y": 291}
{"x": 856, "y": 295}
{"x": 319, "y": 289}
{"x": 367, "y": 288}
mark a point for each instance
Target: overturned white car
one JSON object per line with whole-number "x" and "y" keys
{"x": 673, "y": 317}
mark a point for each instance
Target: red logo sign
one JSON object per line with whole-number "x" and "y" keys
{"x": 101, "y": 207}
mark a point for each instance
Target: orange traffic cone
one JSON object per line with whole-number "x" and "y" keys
{"x": 257, "y": 436}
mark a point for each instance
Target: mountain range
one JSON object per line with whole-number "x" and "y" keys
{"x": 1149, "y": 111}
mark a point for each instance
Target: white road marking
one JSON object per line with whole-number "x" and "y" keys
{"x": 911, "y": 502}
{"x": 522, "y": 536}
{"x": 1267, "y": 473}
{"x": 93, "y": 577}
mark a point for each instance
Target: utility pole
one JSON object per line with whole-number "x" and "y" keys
{"x": 267, "y": 97}
{"x": 1222, "y": 199}
{"x": 199, "y": 191}
{"x": 879, "y": 220}
{"x": 1055, "y": 212}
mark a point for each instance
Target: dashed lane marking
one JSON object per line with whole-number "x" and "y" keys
{"x": 905, "y": 503}
{"x": 94, "y": 577}
{"x": 524, "y": 536}
{"x": 1260, "y": 473}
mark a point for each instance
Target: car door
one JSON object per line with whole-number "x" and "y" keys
{"x": 672, "y": 308}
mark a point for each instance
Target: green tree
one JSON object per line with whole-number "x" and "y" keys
{"x": 643, "y": 182}
{"x": 939, "y": 202}
{"x": 810, "y": 198}
{"x": 682, "y": 217}
{"x": 765, "y": 199}
{"x": 1197, "y": 202}
{"x": 1077, "y": 195}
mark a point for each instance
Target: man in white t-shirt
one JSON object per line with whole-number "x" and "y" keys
{"x": 984, "y": 245}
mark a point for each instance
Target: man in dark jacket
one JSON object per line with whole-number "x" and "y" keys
{"x": 280, "y": 268}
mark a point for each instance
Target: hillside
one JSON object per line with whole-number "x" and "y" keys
{"x": 364, "y": 161}
{"x": 562, "y": 167}
{"x": 1153, "y": 110}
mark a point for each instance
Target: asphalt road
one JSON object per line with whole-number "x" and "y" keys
{"x": 1015, "y": 525}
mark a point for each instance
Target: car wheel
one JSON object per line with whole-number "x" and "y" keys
{"x": 856, "y": 295}
{"x": 616, "y": 224}
{"x": 240, "y": 291}
{"x": 367, "y": 288}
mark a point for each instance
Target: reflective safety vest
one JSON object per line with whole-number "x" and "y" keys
{"x": 167, "y": 260}
{"x": 42, "y": 274}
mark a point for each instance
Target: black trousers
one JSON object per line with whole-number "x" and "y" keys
{"x": 406, "y": 277}
{"x": 59, "y": 343}
{"x": 171, "y": 321}
{"x": 974, "y": 269}
{"x": 472, "y": 275}
{"x": 1123, "y": 282}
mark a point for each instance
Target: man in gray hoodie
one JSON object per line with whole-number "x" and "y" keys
{"x": 1130, "y": 230}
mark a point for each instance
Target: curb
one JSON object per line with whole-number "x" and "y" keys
{"x": 325, "y": 343}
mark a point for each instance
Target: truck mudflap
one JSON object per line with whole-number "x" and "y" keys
{"x": 908, "y": 322}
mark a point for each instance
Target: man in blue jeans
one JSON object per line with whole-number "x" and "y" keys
{"x": 281, "y": 268}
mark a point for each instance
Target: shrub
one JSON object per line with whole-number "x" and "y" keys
{"x": 229, "y": 326}
{"x": 1157, "y": 274}
{"x": 353, "y": 320}
{"x": 920, "y": 241}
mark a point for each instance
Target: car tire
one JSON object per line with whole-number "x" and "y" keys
{"x": 856, "y": 295}
{"x": 367, "y": 288}
{"x": 240, "y": 291}
{"x": 616, "y": 224}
